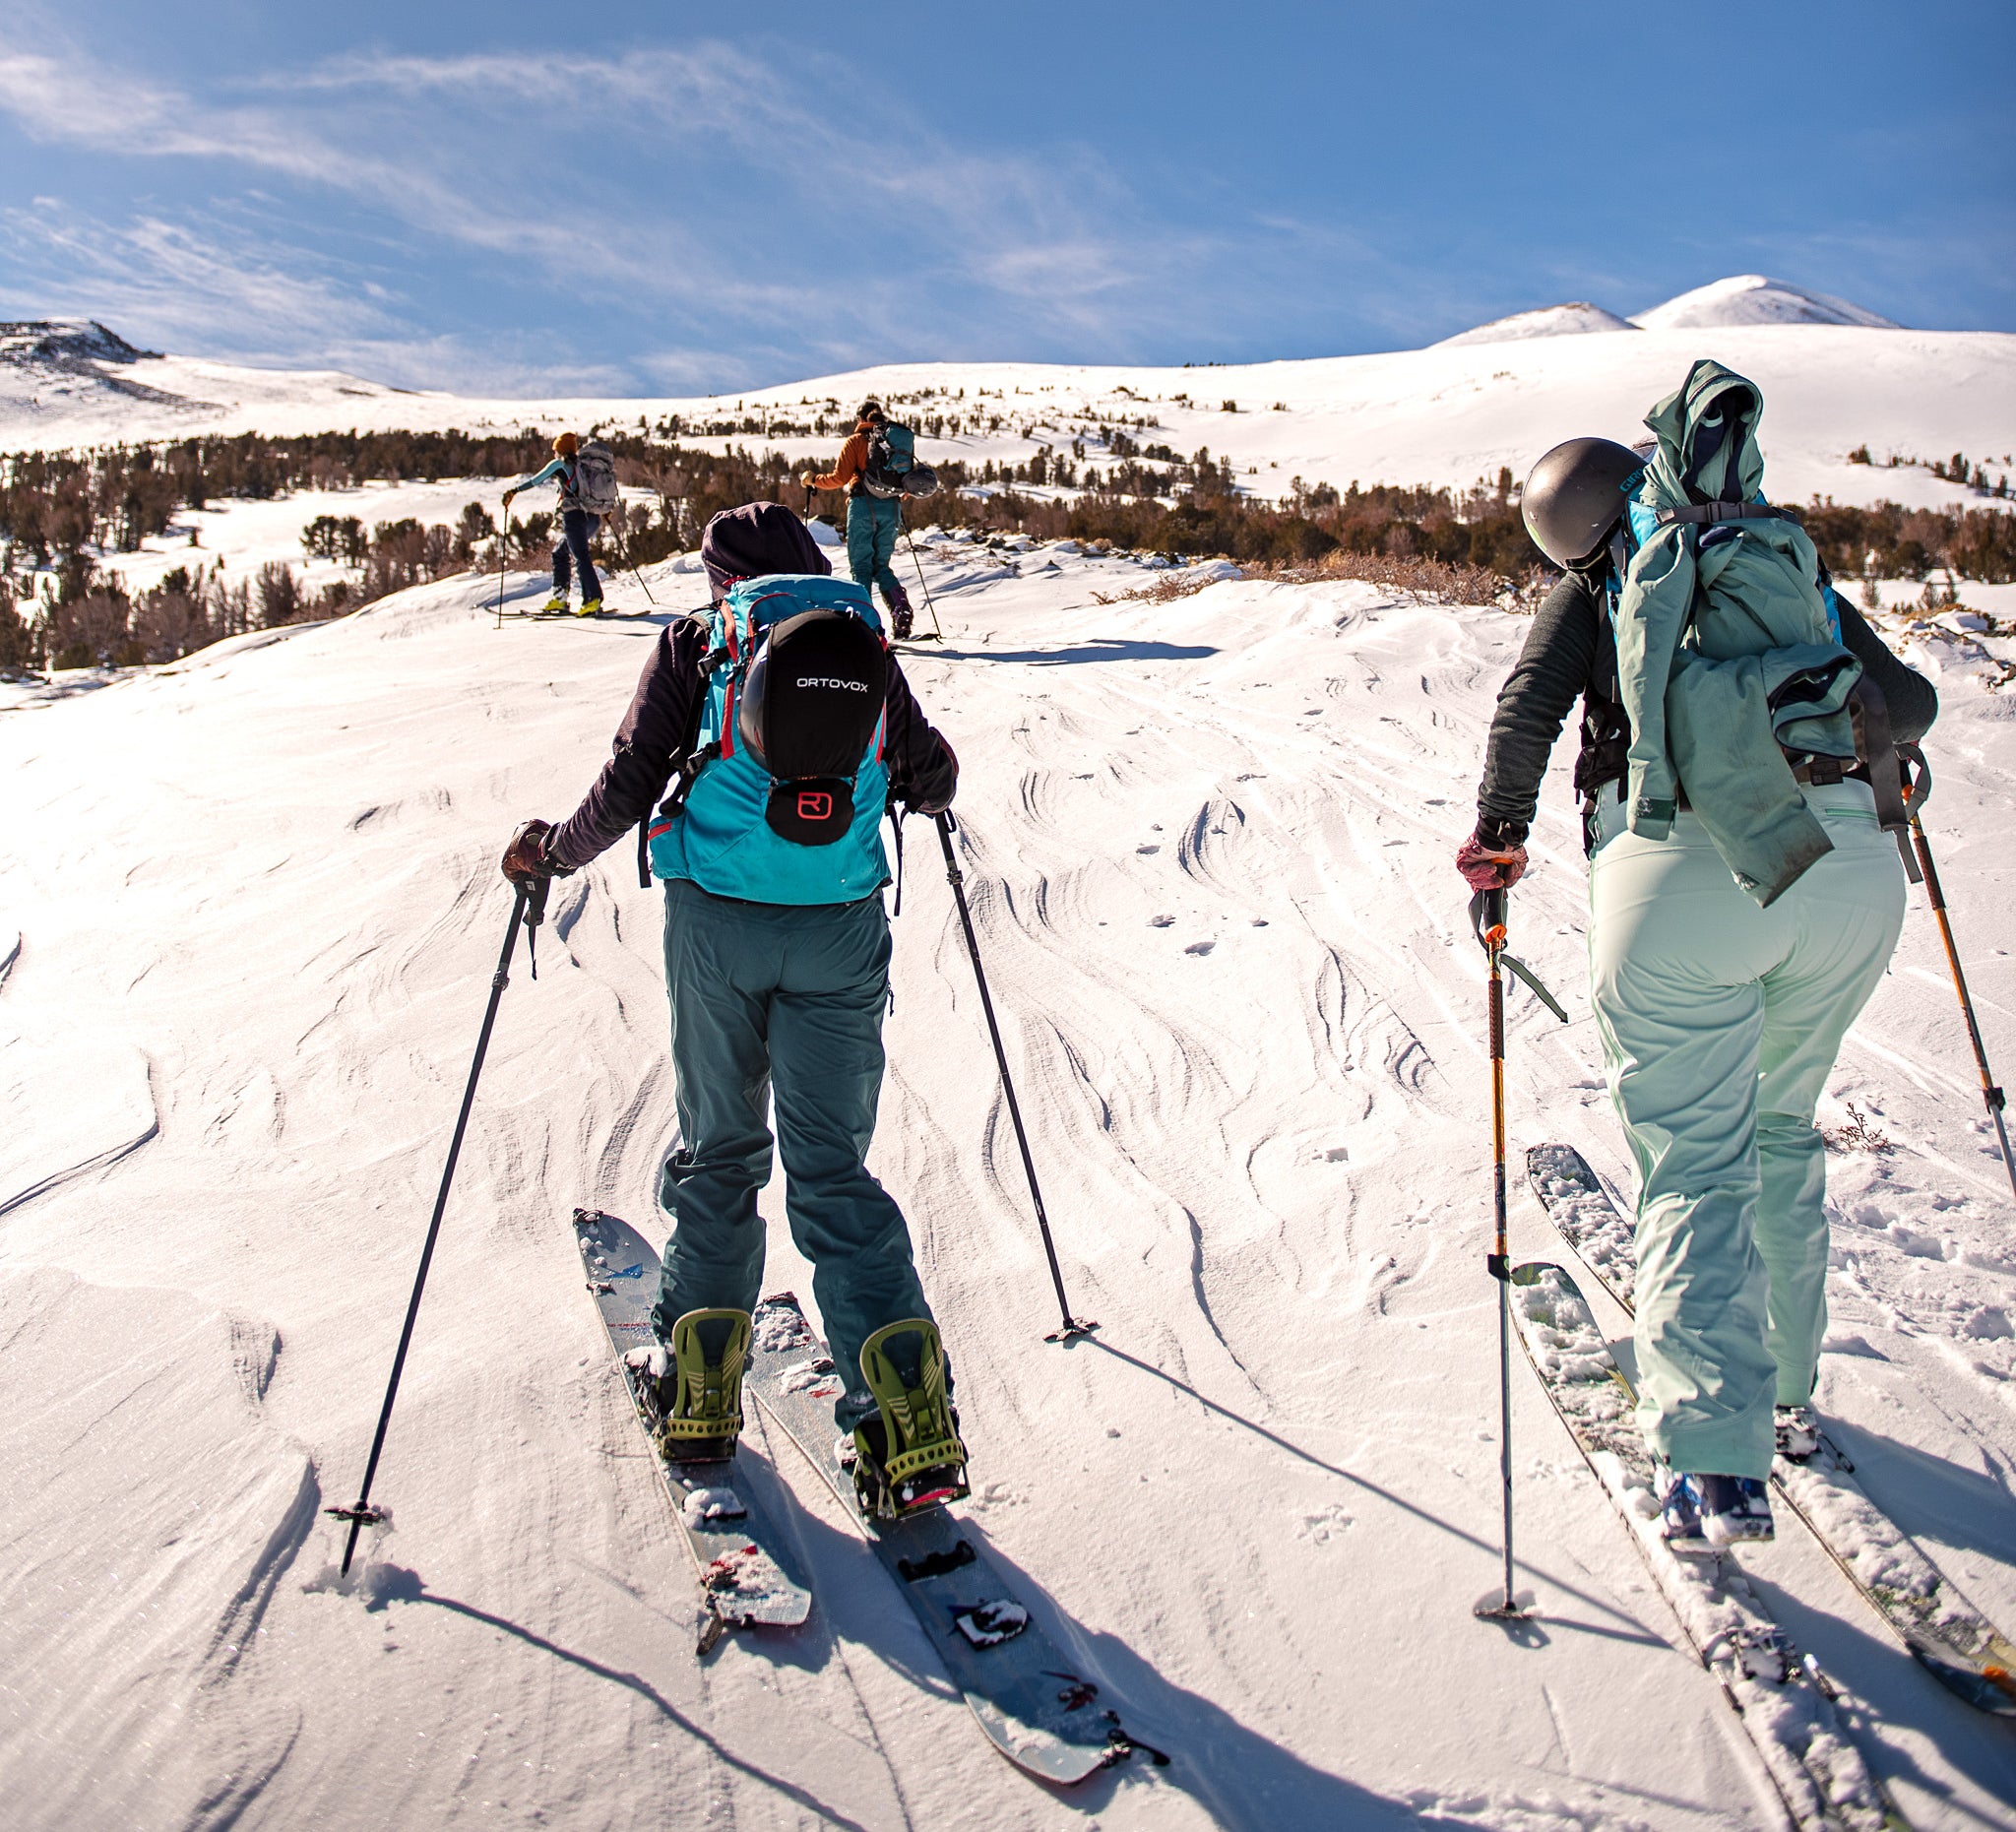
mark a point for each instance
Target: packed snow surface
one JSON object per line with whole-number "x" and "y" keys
{"x": 1208, "y": 841}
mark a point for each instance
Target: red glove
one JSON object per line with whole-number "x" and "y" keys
{"x": 524, "y": 858}
{"x": 1491, "y": 865}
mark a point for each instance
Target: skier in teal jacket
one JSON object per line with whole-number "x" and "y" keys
{"x": 776, "y": 965}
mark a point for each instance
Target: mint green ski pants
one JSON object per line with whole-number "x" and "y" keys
{"x": 1720, "y": 1024}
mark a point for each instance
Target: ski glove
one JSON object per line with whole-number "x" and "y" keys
{"x": 932, "y": 799}
{"x": 525, "y": 859}
{"x": 1490, "y": 859}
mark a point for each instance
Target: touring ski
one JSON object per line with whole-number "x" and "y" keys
{"x": 1944, "y": 1632}
{"x": 734, "y": 1547}
{"x": 1043, "y": 1717}
{"x": 1785, "y": 1703}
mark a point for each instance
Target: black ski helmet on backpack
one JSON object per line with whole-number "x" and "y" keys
{"x": 808, "y": 711}
{"x": 1575, "y": 496}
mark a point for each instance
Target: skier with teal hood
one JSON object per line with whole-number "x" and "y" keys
{"x": 1738, "y": 773}
{"x": 782, "y": 727}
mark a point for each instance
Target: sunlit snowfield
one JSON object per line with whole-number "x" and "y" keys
{"x": 1208, "y": 842}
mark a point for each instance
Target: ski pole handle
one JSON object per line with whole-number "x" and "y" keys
{"x": 1488, "y": 919}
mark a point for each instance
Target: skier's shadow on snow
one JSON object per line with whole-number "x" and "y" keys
{"x": 1930, "y": 1494}
{"x": 1099, "y": 649}
{"x": 1523, "y": 1631}
{"x": 1240, "y": 1776}
{"x": 397, "y": 1584}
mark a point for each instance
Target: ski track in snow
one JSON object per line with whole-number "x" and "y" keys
{"x": 1209, "y": 864}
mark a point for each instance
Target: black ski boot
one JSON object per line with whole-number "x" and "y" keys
{"x": 907, "y": 1456}
{"x": 902, "y": 618}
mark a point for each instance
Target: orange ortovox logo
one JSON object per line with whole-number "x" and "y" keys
{"x": 814, "y": 805}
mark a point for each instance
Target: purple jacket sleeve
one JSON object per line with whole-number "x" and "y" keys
{"x": 651, "y": 744}
{"x": 922, "y": 771}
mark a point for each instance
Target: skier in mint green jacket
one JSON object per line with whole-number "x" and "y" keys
{"x": 1744, "y": 901}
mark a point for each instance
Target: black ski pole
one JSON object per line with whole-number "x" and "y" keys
{"x": 530, "y": 907}
{"x": 639, "y": 577}
{"x": 1071, "y": 1326}
{"x": 1991, "y": 1093}
{"x": 937, "y": 634}
{"x": 500, "y": 579}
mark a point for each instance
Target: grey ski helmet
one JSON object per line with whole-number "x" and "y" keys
{"x": 1575, "y": 495}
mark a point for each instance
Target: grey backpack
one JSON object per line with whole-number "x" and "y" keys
{"x": 594, "y": 479}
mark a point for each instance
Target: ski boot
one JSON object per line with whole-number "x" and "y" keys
{"x": 699, "y": 1396}
{"x": 902, "y": 619}
{"x": 590, "y": 608}
{"x": 906, "y": 1457}
{"x": 554, "y": 607}
{"x": 1796, "y": 1430}
{"x": 1703, "y": 1515}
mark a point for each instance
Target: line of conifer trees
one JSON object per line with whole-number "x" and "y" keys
{"x": 61, "y": 512}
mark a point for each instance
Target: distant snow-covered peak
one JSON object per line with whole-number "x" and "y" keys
{"x": 63, "y": 343}
{"x": 1754, "y": 299}
{"x": 1573, "y": 319}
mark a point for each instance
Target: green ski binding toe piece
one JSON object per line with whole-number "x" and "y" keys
{"x": 702, "y": 1417}
{"x": 917, "y": 1422}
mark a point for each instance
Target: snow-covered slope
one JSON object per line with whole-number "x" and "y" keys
{"x": 1450, "y": 414}
{"x": 1753, "y": 299}
{"x": 257, "y": 912}
{"x": 1575, "y": 319}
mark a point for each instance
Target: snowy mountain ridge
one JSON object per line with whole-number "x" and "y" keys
{"x": 1447, "y": 415}
{"x": 1577, "y": 318}
{"x": 1754, "y": 299}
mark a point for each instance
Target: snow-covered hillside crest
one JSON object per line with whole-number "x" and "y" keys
{"x": 1754, "y": 299}
{"x": 1577, "y": 318}
{"x": 249, "y": 914}
{"x": 1450, "y": 416}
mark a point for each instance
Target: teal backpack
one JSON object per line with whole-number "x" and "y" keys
{"x": 782, "y": 796}
{"x": 892, "y": 457}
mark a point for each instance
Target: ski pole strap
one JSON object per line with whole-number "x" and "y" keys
{"x": 1520, "y": 971}
{"x": 532, "y": 904}
{"x": 1916, "y": 779}
{"x": 895, "y": 812}
{"x": 1488, "y": 919}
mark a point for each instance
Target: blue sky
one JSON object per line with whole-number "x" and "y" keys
{"x": 660, "y": 198}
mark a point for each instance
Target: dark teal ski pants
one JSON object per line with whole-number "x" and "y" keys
{"x": 872, "y": 525}
{"x": 781, "y": 1005}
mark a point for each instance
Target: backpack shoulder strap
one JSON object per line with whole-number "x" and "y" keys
{"x": 1711, "y": 512}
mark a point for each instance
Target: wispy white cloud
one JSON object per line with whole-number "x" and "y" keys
{"x": 717, "y": 190}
